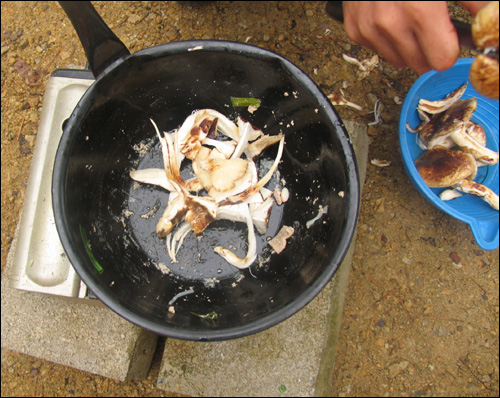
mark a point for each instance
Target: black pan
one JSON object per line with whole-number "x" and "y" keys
{"x": 118, "y": 254}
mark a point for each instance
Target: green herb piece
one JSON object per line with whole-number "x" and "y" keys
{"x": 211, "y": 315}
{"x": 238, "y": 101}
{"x": 282, "y": 388}
{"x": 89, "y": 252}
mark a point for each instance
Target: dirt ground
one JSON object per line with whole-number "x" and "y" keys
{"x": 421, "y": 312}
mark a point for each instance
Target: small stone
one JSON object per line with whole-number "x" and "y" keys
{"x": 455, "y": 257}
{"x": 440, "y": 331}
{"x": 397, "y": 368}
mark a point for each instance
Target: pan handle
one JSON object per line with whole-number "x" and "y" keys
{"x": 102, "y": 47}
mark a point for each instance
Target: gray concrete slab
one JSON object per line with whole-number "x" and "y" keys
{"x": 72, "y": 333}
{"x": 294, "y": 358}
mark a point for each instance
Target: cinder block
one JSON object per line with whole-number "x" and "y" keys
{"x": 72, "y": 333}
{"x": 293, "y": 358}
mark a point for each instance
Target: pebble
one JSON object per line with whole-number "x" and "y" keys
{"x": 397, "y": 368}
{"x": 440, "y": 331}
{"x": 455, "y": 257}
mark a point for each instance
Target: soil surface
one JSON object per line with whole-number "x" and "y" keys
{"x": 421, "y": 312}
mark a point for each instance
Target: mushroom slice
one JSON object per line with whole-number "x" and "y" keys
{"x": 477, "y": 189}
{"x": 427, "y": 130}
{"x": 449, "y": 194}
{"x": 263, "y": 181}
{"x": 424, "y": 119}
{"x": 152, "y": 176}
{"x": 201, "y": 212}
{"x": 470, "y": 145}
{"x": 439, "y": 106}
{"x": 441, "y": 168}
{"x": 158, "y": 177}
{"x": 177, "y": 237}
{"x": 201, "y": 173}
{"x": 476, "y": 131}
{"x": 261, "y": 213}
{"x": 190, "y": 143}
{"x": 226, "y": 126}
{"x": 338, "y": 99}
{"x": 255, "y": 148}
{"x": 245, "y": 182}
{"x": 278, "y": 243}
{"x": 228, "y": 255}
{"x": 174, "y": 212}
{"x": 245, "y": 132}
{"x": 226, "y": 172}
{"x": 170, "y": 160}
{"x": 453, "y": 120}
{"x": 224, "y": 147}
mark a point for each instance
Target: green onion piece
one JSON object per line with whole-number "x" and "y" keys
{"x": 211, "y": 315}
{"x": 282, "y": 388}
{"x": 238, "y": 101}
{"x": 89, "y": 252}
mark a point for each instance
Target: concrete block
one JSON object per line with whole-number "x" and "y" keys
{"x": 293, "y": 358}
{"x": 72, "y": 333}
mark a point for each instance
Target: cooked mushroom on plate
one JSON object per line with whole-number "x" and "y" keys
{"x": 455, "y": 147}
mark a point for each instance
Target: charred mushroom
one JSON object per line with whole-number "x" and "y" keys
{"x": 441, "y": 168}
{"x": 453, "y": 120}
{"x": 439, "y": 106}
{"x": 474, "y": 188}
{"x": 230, "y": 180}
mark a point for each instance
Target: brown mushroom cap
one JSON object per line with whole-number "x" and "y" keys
{"x": 440, "y": 167}
{"x": 485, "y": 26}
{"x": 483, "y": 75}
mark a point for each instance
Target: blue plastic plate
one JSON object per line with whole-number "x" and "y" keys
{"x": 482, "y": 219}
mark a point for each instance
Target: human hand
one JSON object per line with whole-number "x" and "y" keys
{"x": 416, "y": 34}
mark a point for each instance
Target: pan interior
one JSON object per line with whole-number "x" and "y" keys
{"x": 109, "y": 222}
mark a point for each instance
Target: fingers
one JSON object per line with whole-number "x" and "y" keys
{"x": 415, "y": 34}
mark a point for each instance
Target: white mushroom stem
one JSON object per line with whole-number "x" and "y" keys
{"x": 152, "y": 176}
{"x": 158, "y": 177}
{"x": 245, "y": 132}
{"x": 477, "y": 189}
{"x": 263, "y": 181}
{"x": 232, "y": 258}
{"x": 178, "y": 236}
{"x": 470, "y": 145}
